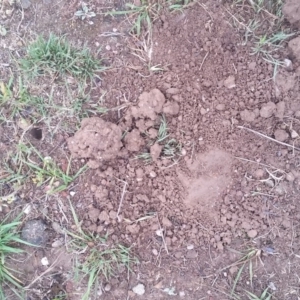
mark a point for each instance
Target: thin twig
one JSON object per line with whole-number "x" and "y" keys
{"x": 258, "y": 163}
{"x": 203, "y": 61}
{"x": 269, "y": 138}
{"x": 162, "y": 235}
{"x": 122, "y": 197}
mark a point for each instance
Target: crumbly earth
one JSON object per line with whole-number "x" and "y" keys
{"x": 97, "y": 140}
{"x": 230, "y": 189}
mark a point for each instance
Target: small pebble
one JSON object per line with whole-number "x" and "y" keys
{"x": 139, "y": 289}
{"x": 155, "y": 252}
{"x": 27, "y": 209}
{"x": 181, "y": 294}
{"x": 290, "y": 177}
{"x": 252, "y": 233}
{"x": 57, "y": 244}
{"x": 152, "y": 174}
{"x": 190, "y": 247}
{"x": 45, "y": 261}
{"x": 107, "y": 287}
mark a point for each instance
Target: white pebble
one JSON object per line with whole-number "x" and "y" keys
{"x": 139, "y": 289}
{"x": 152, "y": 174}
{"x": 155, "y": 252}
{"x": 45, "y": 261}
{"x": 190, "y": 247}
{"x": 27, "y": 209}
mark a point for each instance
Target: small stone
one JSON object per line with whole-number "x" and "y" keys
{"x": 181, "y": 294}
{"x": 190, "y": 247}
{"x": 203, "y": 111}
{"x": 229, "y": 82}
{"x": 27, "y": 209}
{"x": 57, "y": 244}
{"x": 155, "y": 252}
{"x": 247, "y": 115}
{"x": 107, "y": 47}
{"x": 107, "y": 287}
{"x": 191, "y": 254}
{"x": 252, "y": 65}
{"x": 139, "y": 289}
{"x": 23, "y": 124}
{"x": 8, "y": 12}
{"x": 34, "y": 232}
{"x": 171, "y": 108}
{"x": 152, "y": 174}
{"x": 259, "y": 174}
{"x": 183, "y": 152}
{"x": 252, "y": 233}
{"x": 220, "y": 107}
{"x": 272, "y": 286}
{"x": 72, "y": 193}
{"x": 103, "y": 217}
{"x": 207, "y": 83}
{"x": 279, "y": 189}
{"x": 159, "y": 232}
{"x": 172, "y": 91}
{"x": 233, "y": 270}
{"x": 113, "y": 214}
{"x": 281, "y": 135}
{"x": 166, "y": 222}
{"x": 294, "y": 46}
{"x": 133, "y": 229}
{"x": 267, "y": 110}
{"x": 288, "y": 64}
{"x": 220, "y": 246}
{"x": 270, "y": 183}
{"x": 290, "y": 177}
{"x": 25, "y": 4}
{"x": 99, "y": 292}
{"x": 294, "y": 134}
{"x": 45, "y": 261}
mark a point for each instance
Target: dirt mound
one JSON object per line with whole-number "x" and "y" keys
{"x": 291, "y": 11}
{"x": 97, "y": 140}
{"x": 209, "y": 177}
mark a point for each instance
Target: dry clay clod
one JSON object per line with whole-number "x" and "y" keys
{"x": 96, "y": 140}
{"x": 99, "y": 141}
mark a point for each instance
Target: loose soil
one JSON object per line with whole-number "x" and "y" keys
{"x": 227, "y": 190}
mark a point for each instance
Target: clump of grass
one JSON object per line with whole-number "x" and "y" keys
{"x": 142, "y": 15}
{"x": 100, "y": 258}
{"x": 265, "y": 295}
{"x": 15, "y": 100}
{"x": 267, "y": 46}
{"x": 55, "y": 55}
{"x": 9, "y": 237}
{"x": 247, "y": 258}
{"x": 171, "y": 147}
{"x": 28, "y": 163}
{"x": 145, "y": 156}
{"x": 163, "y": 130}
{"x": 178, "y": 5}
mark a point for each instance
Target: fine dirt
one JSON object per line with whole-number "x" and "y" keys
{"x": 227, "y": 189}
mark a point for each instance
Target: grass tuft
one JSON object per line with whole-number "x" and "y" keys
{"x": 55, "y": 55}
{"x": 143, "y": 15}
{"x": 100, "y": 258}
{"x": 8, "y": 238}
